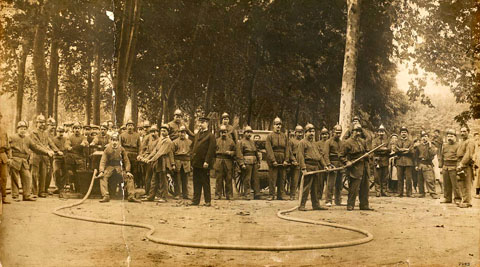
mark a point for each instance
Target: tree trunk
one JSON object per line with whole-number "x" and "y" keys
{"x": 347, "y": 97}
{"x": 55, "y": 116}
{"x": 250, "y": 95}
{"x": 297, "y": 112}
{"x": 96, "y": 84}
{"x": 39, "y": 62}
{"x": 475, "y": 28}
{"x": 134, "y": 99}
{"x": 53, "y": 76}
{"x": 21, "y": 80}
{"x": 162, "y": 101}
{"x": 129, "y": 27}
{"x": 88, "y": 97}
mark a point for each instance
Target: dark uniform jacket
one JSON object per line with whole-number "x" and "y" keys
{"x": 78, "y": 153}
{"x": 225, "y": 148}
{"x": 404, "y": 159}
{"x": 130, "y": 142}
{"x": 424, "y": 154}
{"x": 448, "y": 156}
{"x": 162, "y": 154}
{"x": 277, "y": 148}
{"x": 100, "y": 141}
{"x": 309, "y": 153}
{"x": 466, "y": 149}
{"x": 41, "y": 138}
{"x": 60, "y": 143}
{"x": 293, "y": 144}
{"x": 20, "y": 151}
{"x": 352, "y": 149}
{"x": 114, "y": 158}
{"x": 381, "y": 155}
{"x": 247, "y": 152}
{"x": 332, "y": 151}
{"x": 203, "y": 149}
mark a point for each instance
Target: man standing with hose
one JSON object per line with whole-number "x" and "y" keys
{"x": 357, "y": 172}
{"x": 278, "y": 154}
{"x": 19, "y": 153}
{"x": 115, "y": 161}
{"x": 334, "y": 180}
{"x": 310, "y": 158}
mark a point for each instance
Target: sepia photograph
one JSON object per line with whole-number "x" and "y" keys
{"x": 239, "y": 133}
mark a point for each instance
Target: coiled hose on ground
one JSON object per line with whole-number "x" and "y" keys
{"x": 280, "y": 214}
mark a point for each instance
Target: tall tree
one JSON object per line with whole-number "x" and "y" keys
{"x": 128, "y": 19}
{"x": 39, "y": 59}
{"x": 350, "y": 64}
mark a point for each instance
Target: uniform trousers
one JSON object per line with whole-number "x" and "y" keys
{"x": 276, "y": 181}
{"x": 358, "y": 186}
{"x": 465, "y": 185}
{"x": 39, "y": 174}
{"x": 450, "y": 184}
{"x": 426, "y": 177}
{"x": 249, "y": 177}
{"x": 310, "y": 186}
{"x": 201, "y": 181}
{"x": 223, "y": 175}
{"x": 25, "y": 177}
{"x": 381, "y": 179}
{"x": 405, "y": 174}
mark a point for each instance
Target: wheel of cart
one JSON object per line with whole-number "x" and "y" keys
{"x": 237, "y": 178}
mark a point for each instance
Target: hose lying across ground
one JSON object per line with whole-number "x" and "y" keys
{"x": 281, "y": 214}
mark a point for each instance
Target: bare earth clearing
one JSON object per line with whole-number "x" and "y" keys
{"x": 407, "y": 231}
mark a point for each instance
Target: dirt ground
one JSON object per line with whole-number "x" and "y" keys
{"x": 407, "y": 231}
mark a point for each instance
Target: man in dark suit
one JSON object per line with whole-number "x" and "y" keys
{"x": 203, "y": 154}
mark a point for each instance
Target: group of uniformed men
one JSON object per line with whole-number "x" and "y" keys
{"x": 144, "y": 158}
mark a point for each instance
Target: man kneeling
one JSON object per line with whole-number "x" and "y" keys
{"x": 114, "y": 159}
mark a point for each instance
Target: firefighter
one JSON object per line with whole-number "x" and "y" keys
{"x": 294, "y": 172}
{"x": 145, "y": 152}
{"x": 465, "y": 152}
{"x": 231, "y": 132}
{"x": 40, "y": 163}
{"x": 130, "y": 141}
{"x": 380, "y": 161}
{"x": 310, "y": 158}
{"x": 278, "y": 155}
{"x": 18, "y": 155}
{"x": 332, "y": 159}
{"x": 324, "y": 136}
{"x": 59, "y": 171}
{"x": 404, "y": 149}
{"x": 424, "y": 154}
{"x": 224, "y": 156}
{"x": 447, "y": 162}
{"x": 162, "y": 161}
{"x": 101, "y": 140}
{"x": 353, "y": 148}
{"x": 75, "y": 159}
{"x": 249, "y": 161}
{"x": 115, "y": 161}
{"x": 181, "y": 154}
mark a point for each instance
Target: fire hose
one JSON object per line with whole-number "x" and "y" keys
{"x": 280, "y": 214}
